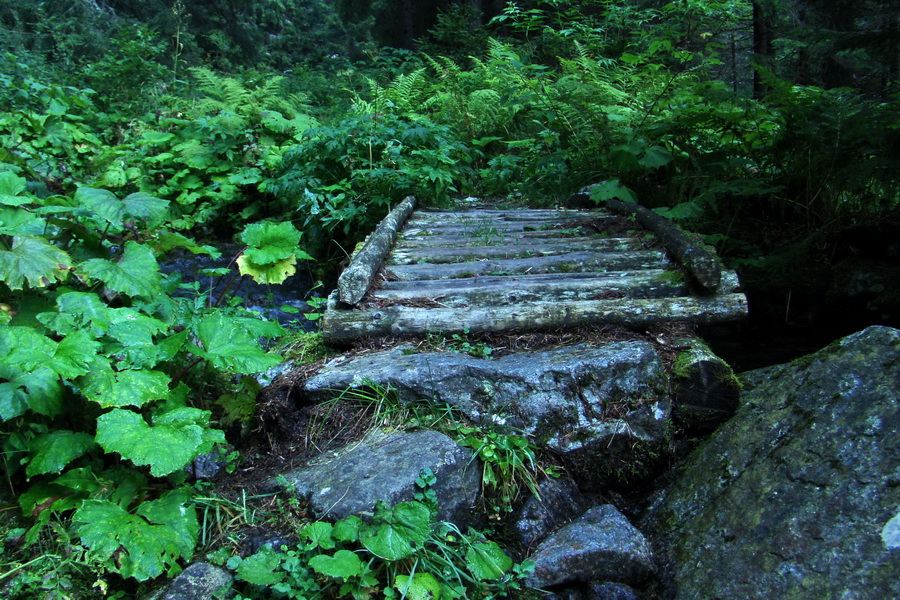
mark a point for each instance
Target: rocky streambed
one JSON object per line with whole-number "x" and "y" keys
{"x": 791, "y": 490}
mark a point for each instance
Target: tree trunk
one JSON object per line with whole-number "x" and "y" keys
{"x": 762, "y": 47}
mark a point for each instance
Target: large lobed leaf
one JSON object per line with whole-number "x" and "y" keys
{"x": 52, "y": 451}
{"x": 107, "y": 206}
{"x": 399, "y": 533}
{"x": 174, "y": 439}
{"x": 135, "y": 274}
{"x": 34, "y": 260}
{"x": 231, "y": 344}
{"x": 146, "y": 543}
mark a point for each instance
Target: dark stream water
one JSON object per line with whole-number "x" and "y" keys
{"x": 285, "y": 303}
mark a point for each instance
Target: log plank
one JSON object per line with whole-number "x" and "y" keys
{"x": 344, "y": 326}
{"x": 570, "y": 262}
{"x": 357, "y": 278}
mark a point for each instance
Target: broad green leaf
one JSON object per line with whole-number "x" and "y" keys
{"x": 108, "y": 207}
{"x": 124, "y": 388}
{"x": 231, "y": 347}
{"x": 74, "y": 355}
{"x": 24, "y": 348}
{"x": 270, "y": 242}
{"x": 135, "y": 274}
{"x": 347, "y": 529}
{"x": 271, "y": 273}
{"x": 261, "y": 568}
{"x": 35, "y": 260}
{"x": 167, "y": 240}
{"x": 39, "y": 390}
{"x": 11, "y": 188}
{"x": 102, "y": 203}
{"x": 146, "y": 544}
{"x": 401, "y": 531}
{"x": 54, "y": 450}
{"x": 612, "y": 189}
{"x": 77, "y": 310}
{"x": 82, "y": 479}
{"x": 150, "y": 209}
{"x": 16, "y": 221}
{"x": 343, "y": 565}
{"x": 422, "y": 586}
{"x": 318, "y": 534}
{"x": 171, "y": 443}
{"x": 656, "y": 156}
{"x": 486, "y": 560}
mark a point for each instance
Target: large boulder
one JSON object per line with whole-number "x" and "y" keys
{"x": 385, "y": 467}
{"x": 798, "y": 495}
{"x": 200, "y": 581}
{"x": 605, "y": 409}
{"x": 559, "y": 503}
{"x": 601, "y": 545}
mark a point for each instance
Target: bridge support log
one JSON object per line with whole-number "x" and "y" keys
{"x": 357, "y": 278}
{"x": 705, "y": 389}
{"x": 345, "y": 326}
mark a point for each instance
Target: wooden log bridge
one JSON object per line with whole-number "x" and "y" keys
{"x": 497, "y": 270}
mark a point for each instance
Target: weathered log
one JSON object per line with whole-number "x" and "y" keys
{"x": 344, "y": 326}
{"x": 494, "y": 291}
{"x": 705, "y": 390}
{"x": 419, "y": 228}
{"x": 357, "y": 278}
{"x": 571, "y": 262}
{"x": 700, "y": 263}
{"x": 513, "y": 249}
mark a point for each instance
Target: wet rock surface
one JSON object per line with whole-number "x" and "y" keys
{"x": 200, "y": 581}
{"x": 606, "y": 409}
{"x": 796, "y": 495}
{"x": 560, "y": 502}
{"x": 600, "y": 546}
{"x": 385, "y": 467}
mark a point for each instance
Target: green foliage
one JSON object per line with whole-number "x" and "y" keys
{"x": 94, "y": 356}
{"x": 343, "y": 179}
{"x": 400, "y": 552}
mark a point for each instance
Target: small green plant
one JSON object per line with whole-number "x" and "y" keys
{"x": 508, "y": 464}
{"x": 400, "y": 552}
{"x": 459, "y": 343}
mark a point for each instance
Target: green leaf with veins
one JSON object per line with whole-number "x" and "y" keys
{"x": 54, "y": 450}
{"x": 124, "y": 388}
{"x": 174, "y": 439}
{"x": 399, "y": 533}
{"x": 107, "y": 206}
{"x": 270, "y": 243}
{"x": 135, "y": 274}
{"x": 39, "y": 390}
{"x": 35, "y": 260}
{"x": 15, "y": 221}
{"x": 146, "y": 543}
{"x": 11, "y": 188}
{"x": 230, "y": 346}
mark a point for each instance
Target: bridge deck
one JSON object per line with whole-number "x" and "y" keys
{"x": 494, "y": 270}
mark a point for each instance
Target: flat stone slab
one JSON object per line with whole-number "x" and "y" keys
{"x": 385, "y": 467}
{"x": 605, "y": 407}
{"x": 599, "y": 546}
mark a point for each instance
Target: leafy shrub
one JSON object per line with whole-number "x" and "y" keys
{"x": 96, "y": 351}
{"x": 343, "y": 179}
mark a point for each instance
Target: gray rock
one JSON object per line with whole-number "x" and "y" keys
{"x": 612, "y": 591}
{"x": 798, "y": 495}
{"x": 605, "y": 408}
{"x": 200, "y": 581}
{"x": 385, "y": 467}
{"x": 601, "y": 545}
{"x": 560, "y": 503}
